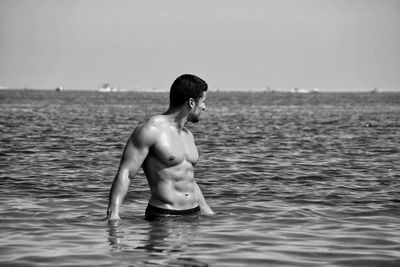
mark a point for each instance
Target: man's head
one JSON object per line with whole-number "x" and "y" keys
{"x": 190, "y": 90}
{"x": 185, "y": 87}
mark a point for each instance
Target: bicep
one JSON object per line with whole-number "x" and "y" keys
{"x": 133, "y": 156}
{"x": 137, "y": 149}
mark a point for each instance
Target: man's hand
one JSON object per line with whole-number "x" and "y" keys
{"x": 112, "y": 216}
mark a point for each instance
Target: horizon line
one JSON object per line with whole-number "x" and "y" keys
{"x": 261, "y": 90}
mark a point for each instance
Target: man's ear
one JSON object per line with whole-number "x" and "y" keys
{"x": 191, "y": 103}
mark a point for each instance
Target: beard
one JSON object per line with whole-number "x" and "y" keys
{"x": 194, "y": 118}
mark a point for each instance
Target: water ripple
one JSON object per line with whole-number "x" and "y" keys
{"x": 295, "y": 180}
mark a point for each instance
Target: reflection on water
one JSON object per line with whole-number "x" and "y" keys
{"x": 165, "y": 242}
{"x": 296, "y": 180}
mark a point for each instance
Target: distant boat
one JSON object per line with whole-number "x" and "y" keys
{"x": 375, "y": 90}
{"x": 106, "y": 87}
{"x": 59, "y": 89}
{"x": 305, "y": 91}
{"x": 268, "y": 89}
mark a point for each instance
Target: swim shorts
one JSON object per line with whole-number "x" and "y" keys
{"x": 153, "y": 212}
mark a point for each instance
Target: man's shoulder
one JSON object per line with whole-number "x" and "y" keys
{"x": 147, "y": 131}
{"x": 186, "y": 130}
{"x": 153, "y": 124}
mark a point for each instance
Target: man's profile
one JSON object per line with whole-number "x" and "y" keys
{"x": 166, "y": 151}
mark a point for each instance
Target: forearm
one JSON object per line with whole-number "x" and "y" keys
{"x": 205, "y": 209}
{"x": 118, "y": 192}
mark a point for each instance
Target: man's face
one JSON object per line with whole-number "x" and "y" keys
{"x": 199, "y": 106}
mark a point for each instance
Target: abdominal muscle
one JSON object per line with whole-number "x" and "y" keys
{"x": 171, "y": 187}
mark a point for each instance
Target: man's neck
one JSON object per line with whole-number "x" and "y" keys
{"x": 178, "y": 116}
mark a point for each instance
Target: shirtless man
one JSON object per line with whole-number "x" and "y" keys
{"x": 166, "y": 151}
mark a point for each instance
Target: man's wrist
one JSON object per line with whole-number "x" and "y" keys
{"x": 112, "y": 214}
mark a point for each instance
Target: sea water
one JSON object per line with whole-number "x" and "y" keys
{"x": 294, "y": 179}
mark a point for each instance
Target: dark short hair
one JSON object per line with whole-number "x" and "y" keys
{"x": 185, "y": 87}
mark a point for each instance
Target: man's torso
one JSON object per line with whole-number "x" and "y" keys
{"x": 169, "y": 167}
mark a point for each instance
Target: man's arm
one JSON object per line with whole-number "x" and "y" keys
{"x": 204, "y": 208}
{"x": 135, "y": 152}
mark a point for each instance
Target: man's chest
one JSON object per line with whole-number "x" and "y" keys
{"x": 174, "y": 148}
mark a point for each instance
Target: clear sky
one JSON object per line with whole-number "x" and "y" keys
{"x": 232, "y": 44}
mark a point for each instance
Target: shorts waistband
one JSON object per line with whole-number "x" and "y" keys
{"x": 152, "y": 210}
